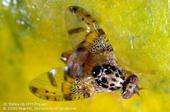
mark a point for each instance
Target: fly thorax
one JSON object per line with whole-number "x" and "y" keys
{"x": 108, "y": 76}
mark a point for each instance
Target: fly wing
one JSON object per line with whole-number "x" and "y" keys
{"x": 76, "y": 29}
{"x": 52, "y": 86}
{"x": 48, "y": 85}
{"x": 83, "y": 31}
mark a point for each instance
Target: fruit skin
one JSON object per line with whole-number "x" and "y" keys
{"x": 138, "y": 31}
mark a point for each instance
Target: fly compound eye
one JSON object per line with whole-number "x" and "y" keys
{"x": 96, "y": 71}
{"x": 130, "y": 87}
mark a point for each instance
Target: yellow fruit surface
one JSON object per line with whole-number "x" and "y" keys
{"x": 33, "y": 36}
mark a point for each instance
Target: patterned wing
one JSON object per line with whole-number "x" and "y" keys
{"x": 48, "y": 85}
{"x": 76, "y": 29}
{"x": 51, "y": 86}
{"x": 83, "y": 31}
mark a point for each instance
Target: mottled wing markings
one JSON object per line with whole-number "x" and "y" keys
{"x": 95, "y": 38}
{"x": 48, "y": 86}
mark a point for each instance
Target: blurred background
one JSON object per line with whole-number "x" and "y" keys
{"x": 33, "y": 35}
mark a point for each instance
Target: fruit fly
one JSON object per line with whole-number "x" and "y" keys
{"x": 91, "y": 66}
